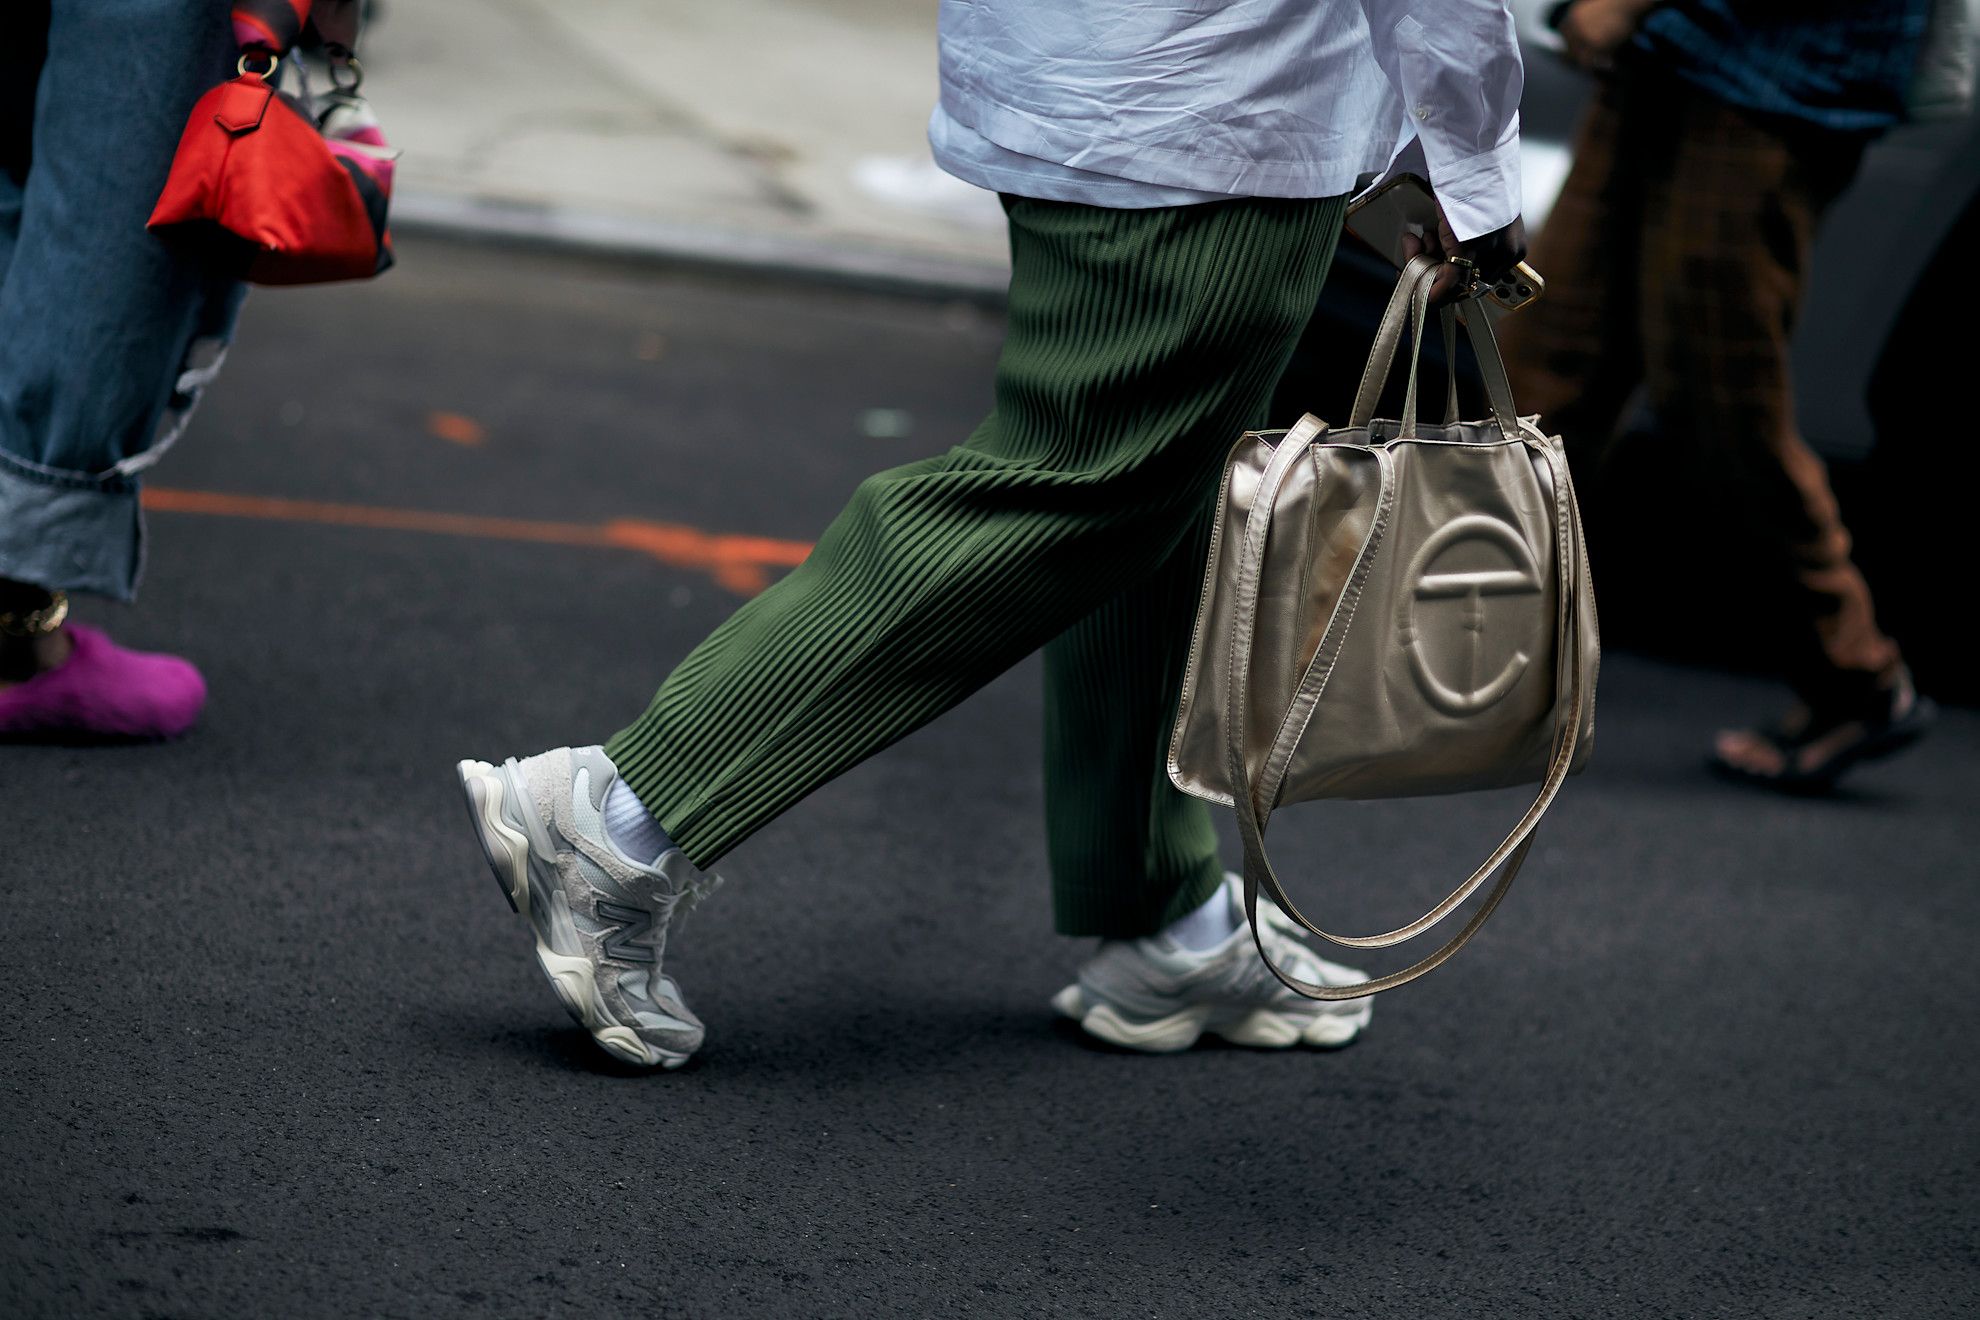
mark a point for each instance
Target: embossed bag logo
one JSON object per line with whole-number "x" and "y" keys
{"x": 1464, "y": 692}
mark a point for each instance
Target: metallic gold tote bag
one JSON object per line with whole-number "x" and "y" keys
{"x": 1391, "y": 609}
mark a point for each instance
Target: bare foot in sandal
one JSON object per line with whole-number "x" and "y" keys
{"x": 1807, "y": 751}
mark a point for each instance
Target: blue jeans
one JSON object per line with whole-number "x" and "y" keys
{"x": 106, "y": 335}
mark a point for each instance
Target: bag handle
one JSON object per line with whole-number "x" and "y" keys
{"x": 271, "y": 28}
{"x": 1254, "y": 803}
{"x": 1388, "y": 334}
{"x": 1492, "y": 368}
{"x": 1419, "y": 318}
{"x": 1408, "y": 304}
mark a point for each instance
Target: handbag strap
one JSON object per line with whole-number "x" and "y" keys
{"x": 1407, "y": 307}
{"x": 337, "y": 22}
{"x": 1388, "y": 335}
{"x": 272, "y": 27}
{"x": 1491, "y": 367}
{"x": 1447, "y": 317}
{"x": 1419, "y": 317}
{"x": 1254, "y": 802}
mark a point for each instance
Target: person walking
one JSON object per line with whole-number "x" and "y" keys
{"x": 1174, "y": 185}
{"x": 110, "y": 331}
{"x": 107, "y": 337}
{"x": 1677, "y": 257}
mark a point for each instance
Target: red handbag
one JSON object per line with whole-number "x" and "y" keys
{"x": 266, "y": 189}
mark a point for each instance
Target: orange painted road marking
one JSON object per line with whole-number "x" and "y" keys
{"x": 455, "y": 428}
{"x": 738, "y": 563}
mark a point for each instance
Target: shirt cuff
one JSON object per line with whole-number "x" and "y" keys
{"x": 1480, "y": 193}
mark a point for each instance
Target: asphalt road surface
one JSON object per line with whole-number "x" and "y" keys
{"x": 274, "y": 1045}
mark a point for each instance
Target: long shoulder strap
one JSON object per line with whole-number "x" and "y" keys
{"x": 1254, "y": 801}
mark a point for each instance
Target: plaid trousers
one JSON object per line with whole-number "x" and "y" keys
{"x": 1675, "y": 260}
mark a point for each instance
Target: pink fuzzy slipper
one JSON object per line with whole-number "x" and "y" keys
{"x": 106, "y": 691}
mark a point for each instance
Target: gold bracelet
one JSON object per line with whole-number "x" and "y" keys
{"x": 37, "y": 622}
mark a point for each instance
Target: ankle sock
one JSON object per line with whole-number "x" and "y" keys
{"x": 1207, "y": 926}
{"x": 631, "y": 827}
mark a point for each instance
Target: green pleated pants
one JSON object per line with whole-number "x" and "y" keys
{"x": 1141, "y": 344}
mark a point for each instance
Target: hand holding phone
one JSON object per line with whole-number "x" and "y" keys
{"x": 1402, "y": 219}
{"x": 1487, "y": 259}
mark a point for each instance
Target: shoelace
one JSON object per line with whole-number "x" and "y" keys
{"x": 688, "y": 897}
{"x": 1284, "y": 942}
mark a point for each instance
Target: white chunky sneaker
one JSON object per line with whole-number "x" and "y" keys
{"x": 1154, "y": 995}
{"x": 600, "y": 918}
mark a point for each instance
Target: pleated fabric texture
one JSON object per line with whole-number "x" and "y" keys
{"x": 1140, "y": 345}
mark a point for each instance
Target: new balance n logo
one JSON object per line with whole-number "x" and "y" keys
{"x": 623, "y": 945}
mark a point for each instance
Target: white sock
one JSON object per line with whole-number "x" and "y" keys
{"x": 631, "y": 827}
{"x": 1206, "y": 927}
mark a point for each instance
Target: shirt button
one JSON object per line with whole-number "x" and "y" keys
{"x": 1422, "y": 112}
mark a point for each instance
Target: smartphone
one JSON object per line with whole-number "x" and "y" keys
{"x": 1404, "y": 207}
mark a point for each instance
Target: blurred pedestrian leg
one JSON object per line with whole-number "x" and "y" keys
{"x": 1141, "y": 343}
{"x": 1676, "y": 261}
{"x": 106, "y": 339}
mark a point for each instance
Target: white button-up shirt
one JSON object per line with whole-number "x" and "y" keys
{"x": 1136, "y": 103}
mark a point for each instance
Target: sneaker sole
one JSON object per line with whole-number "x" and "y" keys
{"x": 504, "y": 837}
{"x": 1265, "y": 1028}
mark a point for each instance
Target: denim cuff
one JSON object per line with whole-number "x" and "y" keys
{"x": 70, "y": 531}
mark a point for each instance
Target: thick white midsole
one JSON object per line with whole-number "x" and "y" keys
{"x": 1263, "y": 1028}
{"x": 506, "y": 846}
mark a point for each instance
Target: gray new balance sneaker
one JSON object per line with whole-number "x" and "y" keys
{"x": 1153, "y": 994}
{"x": 600, "y": 918}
